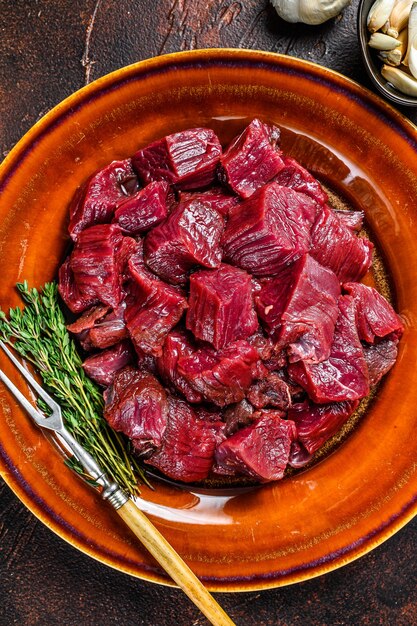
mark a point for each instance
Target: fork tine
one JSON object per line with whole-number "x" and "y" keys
{"x": 31, "y": 380}
{"x": 34, "y": 413}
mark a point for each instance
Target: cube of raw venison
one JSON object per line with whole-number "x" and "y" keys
{"x": 299, "y": 308}
{"x": 178, "y": 343}
{"x": 102, "y": 366}
{"x": 92, "y": 273}
{"x": 297, "y": 177}
{"x": 315, "y": 423}
{"x": 221, "y": 306}
{"x": 252, "y": 159}
{"x": 187, "y": 159}
{"x": 153, "y": 308}
{"x": 100, "y": 327}
{"x": 136, "y": 404}
{"x": 223, "y": 376}
{"x": 270, "y": 391}
{"x": 97, "y": 263}
{"x": 269, "y": 230}
{"x": 260, "y": 450}
{"x": 375, "y": 317}
{"x": 145, "y": 209}
{"x": 237, "y": 416}
{"x": 215, "y": 198}
{"x": 352, "y": 219}
{"x": 344, "y": 375}
{"x": 380, "y": 357}
{"x": 299, "y": 456}
{"x": 190, "y": 236}
{"x": 188, "y": 445}
{"x": 96, "y": 201}
{"x": 334, "y": 245}
{"x": 69, "y": 292}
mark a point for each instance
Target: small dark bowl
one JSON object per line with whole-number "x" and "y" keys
{"x": 373, "y": 64}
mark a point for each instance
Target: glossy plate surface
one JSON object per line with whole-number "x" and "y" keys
{"x": 356, "y": 497}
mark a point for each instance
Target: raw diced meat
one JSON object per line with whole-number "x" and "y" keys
{"x": 97, "y": 265}
{"x": 147, "y": 208}
{"x": 153, "y": 308}
{"x": 187, "y": 159}
{"x": 297, "y": 177}
{"x": 299, "y": 457}
{"x": 375, "y": 317}
{"x": 270, "y": 391}
{"x": 237, "y": 416}
{"x": 261, "y": 450}
{"x": 100, "y": 327}
{"x": 352, "y": 219}
{"x": 335, "y": 246}
{"x": 220, "y": 305}
{"x": 215, "y": 198}
{"x": 96, "y": 202}
{"x": 189, "y": 237}
{"x": 380, "y": 357}
{"x": 137, "y": 405}
{"x": 188, "y": 446}
{"x": 269, "y": 230}
{"x": 299, "y": 309}
{"x": 223, "y": 376}
{"x": 315, "y": 424}
{"x": 103, "y": 366}
{"x": 69, "y": 292}
{"x": 252, "y": 159}
{"x": 178, "y": 343}
{"x": 344, "y": 375}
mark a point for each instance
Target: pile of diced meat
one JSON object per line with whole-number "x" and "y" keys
{"x": 221, "y": 307}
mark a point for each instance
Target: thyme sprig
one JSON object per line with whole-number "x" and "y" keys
{"x": 38, "y": 333}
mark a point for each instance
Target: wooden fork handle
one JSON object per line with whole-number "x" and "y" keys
{"x": 173, "y": 564}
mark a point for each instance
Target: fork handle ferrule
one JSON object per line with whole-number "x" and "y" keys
{"x": 114, "y": 495}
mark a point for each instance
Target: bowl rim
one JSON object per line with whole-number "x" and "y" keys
{"x": 58, "y": 113}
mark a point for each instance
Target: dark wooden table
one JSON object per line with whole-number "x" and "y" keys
{"x": 48, "y": 49}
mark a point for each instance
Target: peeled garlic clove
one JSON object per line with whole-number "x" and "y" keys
{"x": 412, "y": 30}
{"x": 392, "y": 57}
{"x": 412, "y": 57}
{"x": 379, "y": 14}
{"x": 379, "y": 41}
{"x": 399, "y": 17}
{"x": 308, "y": 11}
{"x": 400, "y": 80}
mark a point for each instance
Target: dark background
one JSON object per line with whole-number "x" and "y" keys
{"x": 49, "y": 49}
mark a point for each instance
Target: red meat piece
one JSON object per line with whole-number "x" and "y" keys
{"x": 260, "y": 450}
{"x": 220, "y": 305}
{"x": 269, "y": 230}
{"x": 187, "y": 159}
{"x": 380, "y": 357}
{"x": 270, "y": 391}
{"x": 298, "y": 308}
{"x": 188, "y": 446}
{"x": 189, "y": 237}
{"x": 153, "y": 308}
{"x": 315, "y": 424}
{"x": 96, "y": 202}
{"x": 252, "y": 159}
{"x": 352, "y": 219}
{"x": 100, "y": 327}
{"x": 147, "y": 208}
{"x": 103, "y": 366}
{"x": 223, "y": 376}
{"x": 297, "y": 177}
{"x": 177, "y": 344}
{"x": 136, "y": 404}
{"x": 334, "y": 245}
{"x": 69, "y": 292}
{"x": 214, "y": 198}
{"x": 375, "y": 317}
{"x": 344, "y": 375}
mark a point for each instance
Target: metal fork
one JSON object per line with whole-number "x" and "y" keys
{"x": 137, "y": 521}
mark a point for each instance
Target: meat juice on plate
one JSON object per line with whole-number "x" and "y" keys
{"x": 219, "y": 293}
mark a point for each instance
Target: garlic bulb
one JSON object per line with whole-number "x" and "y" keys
{"x": 308, "y": 11}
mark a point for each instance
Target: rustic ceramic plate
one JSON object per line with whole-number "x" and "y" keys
{"x": 364, "y": 491}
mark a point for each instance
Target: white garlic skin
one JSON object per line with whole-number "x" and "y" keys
{"x": 309, "y": 11}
